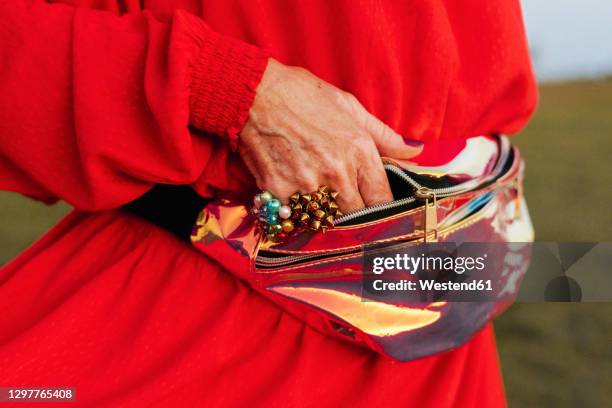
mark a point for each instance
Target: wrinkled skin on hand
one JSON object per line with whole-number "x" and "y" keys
{"x": 303, "y": 132}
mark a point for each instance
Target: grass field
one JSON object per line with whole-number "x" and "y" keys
{"x": 561, "y": 354}
{"x": 552, "y": 354}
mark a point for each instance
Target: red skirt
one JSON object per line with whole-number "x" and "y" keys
{"x": 129, "y": 315}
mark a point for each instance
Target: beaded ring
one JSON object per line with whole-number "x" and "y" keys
{"x": 315, "y": 211}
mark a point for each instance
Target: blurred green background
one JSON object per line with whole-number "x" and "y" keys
{"x": 552, "y": 354}
{"x": 560, "y": 355}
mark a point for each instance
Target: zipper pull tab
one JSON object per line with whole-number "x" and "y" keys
{"x": 430, "y": 213}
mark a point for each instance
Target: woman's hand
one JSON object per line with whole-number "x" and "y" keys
{"x": 303, "y": 133}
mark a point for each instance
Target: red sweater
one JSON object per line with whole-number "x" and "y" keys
{"x": 95, "y": 108}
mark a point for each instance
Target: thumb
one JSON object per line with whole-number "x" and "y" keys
{"x": 389, "y": 143}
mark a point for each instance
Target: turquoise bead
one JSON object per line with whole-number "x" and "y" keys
{"x": 274, "y": 205}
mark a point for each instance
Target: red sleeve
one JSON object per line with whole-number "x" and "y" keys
{"x": 95, "y": 108}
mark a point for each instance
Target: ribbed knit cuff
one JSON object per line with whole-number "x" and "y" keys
{"x": 224, "y": 77}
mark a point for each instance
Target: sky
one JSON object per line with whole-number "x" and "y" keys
{"x": 569, "y": 39}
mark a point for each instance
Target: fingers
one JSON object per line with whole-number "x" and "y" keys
{"x": 361, "y": 181}
{"x": 373, "y": 183}
{"x": 349, "y": 198}
{"x": 388, "y": 142}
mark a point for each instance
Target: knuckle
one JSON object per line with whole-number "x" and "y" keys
{"x": 372, "y": 173}
{"x": 347, "y": 100}
{"x": 365, "y": 149}
{"x": 361, "y": 136}
{"x": 358, "y": 143}
{"x": 351, "y": 98}
{"x": 382, "y": 130}
{"x": 306, "y": 184}
{"x": 333, "y": 172}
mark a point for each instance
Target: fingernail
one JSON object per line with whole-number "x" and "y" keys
{"x": 413, "y": 143}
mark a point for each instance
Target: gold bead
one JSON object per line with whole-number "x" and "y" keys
{"x": 304, "y": 218}
{"x": 315, "y": 225}
{"x": 323, "y": 189}
{"x": 295, "y": 198}
{"x": 329, "y": 221}
{"x": 296, "y": 210}
{"x": 313, "y": 206}
{"x": 316, "y": 196}
{"x": 318, "y": 214}
{"x": 305, "y": 198}
{"x": 287, "y": 226}
{"x": 334, "y": 194}
{"x": 332, "y": 206}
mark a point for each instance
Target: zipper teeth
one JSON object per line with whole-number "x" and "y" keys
{"x": 440, "y": 192}
{"x": 398, "y": 172}
{"x": 265, "y": 261}
{"x": 283, "y": 260}
{"x": 369, "y": 210}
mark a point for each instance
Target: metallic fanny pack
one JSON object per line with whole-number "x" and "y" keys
{"x": 476, "y": 197}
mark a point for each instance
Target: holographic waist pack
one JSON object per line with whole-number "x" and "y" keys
{"x": 319, "y": 277}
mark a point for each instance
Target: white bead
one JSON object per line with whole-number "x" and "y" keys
{"x": 284, "y": 212}
{"x": 257, "y": 201}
